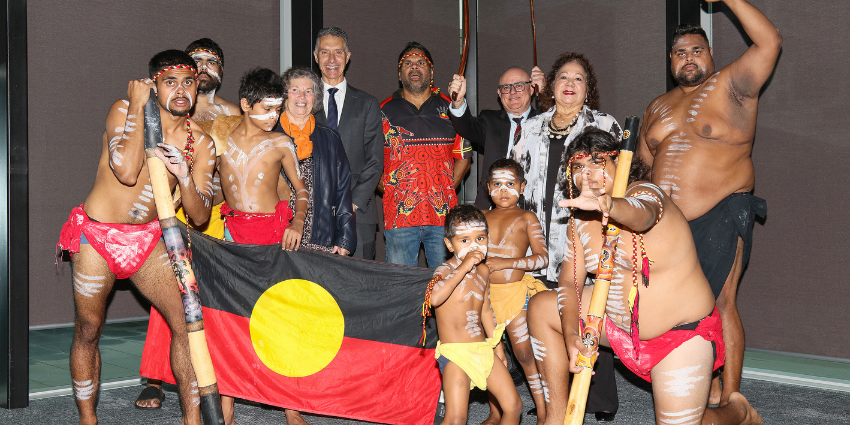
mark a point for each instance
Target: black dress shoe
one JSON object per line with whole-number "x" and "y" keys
{"x": 532, "y": 412}
{"x": 605, "y": 416}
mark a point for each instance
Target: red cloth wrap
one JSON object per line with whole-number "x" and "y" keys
{"x": 125, "y": 247}
{"x": 656, "y": 349}
{"x": 257, "y": 228}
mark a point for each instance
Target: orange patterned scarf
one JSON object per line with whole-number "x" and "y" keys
{"x": 301, "y": 136}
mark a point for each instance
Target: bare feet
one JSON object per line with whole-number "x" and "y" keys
{"x": 714, "y": 394}
{"x": 751, "y": 417}
{"x": 493, "y": 419}
{"x": 293, "y": 417}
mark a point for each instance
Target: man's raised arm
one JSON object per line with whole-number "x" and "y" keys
{"x": 749, "y": 72}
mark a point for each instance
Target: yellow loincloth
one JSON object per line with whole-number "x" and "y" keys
{"x": 508, "y": 299}
{"x": 475, "y": 358}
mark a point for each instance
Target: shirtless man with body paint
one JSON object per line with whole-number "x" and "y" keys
{"x": 461, "y": 301}
{"x": 512, "y": 231}
{"x": 679, "y": 341}
{"x": 698, "y": 139}
{"x": 120, "y": 211}
{"x": 210, "y": 61}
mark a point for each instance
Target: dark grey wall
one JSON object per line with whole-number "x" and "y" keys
{"x": 795, "y": 293}
{"x": 81, "y": 56}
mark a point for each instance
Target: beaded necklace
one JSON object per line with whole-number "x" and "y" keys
{"x": 426, "y": 306}
{"x": 189, "y": 148}
{"x": 559, "y": 132}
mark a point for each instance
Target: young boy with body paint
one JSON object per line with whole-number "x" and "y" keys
{"x": 250, "y": 166}
{"x": 461, "y": 301}
{"x": 512, "y": 231}
{"x": 679, "y": 342}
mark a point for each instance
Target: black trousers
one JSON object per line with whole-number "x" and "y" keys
{"x": 366, "y": 235}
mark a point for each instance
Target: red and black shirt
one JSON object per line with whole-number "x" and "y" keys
{"x": 420, "y": 146}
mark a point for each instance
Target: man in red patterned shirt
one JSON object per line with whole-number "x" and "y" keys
{"x": 424, "y": 162}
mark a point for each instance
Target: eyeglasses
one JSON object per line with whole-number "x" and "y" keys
{"x": 519, "y": 87}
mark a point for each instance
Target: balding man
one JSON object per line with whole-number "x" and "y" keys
{"x": 493, "y": 131}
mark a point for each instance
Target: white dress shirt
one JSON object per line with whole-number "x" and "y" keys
{"x": 339, "y": 97}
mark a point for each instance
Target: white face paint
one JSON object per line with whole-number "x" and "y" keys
{"x": 83, "y": 390}
{"x": 500, "y": 180}
{"x": 467, "y": 229}
{"x": 174, "y": 92}
{"x": 206, "y": 56}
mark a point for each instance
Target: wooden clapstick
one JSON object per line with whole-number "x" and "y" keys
{"x": 178, "y": 256}
{"x": 596, "y": 309}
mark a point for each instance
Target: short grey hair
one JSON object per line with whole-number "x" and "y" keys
{"x": 293, "y": 73}
{"x": 334, "y": 31}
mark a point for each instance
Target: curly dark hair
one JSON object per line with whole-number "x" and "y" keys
{"x": 593, "y": 140}
{"x": 462, "y": 214}
{"x": 506, "y": 164}
{"x": 547, "y": 96}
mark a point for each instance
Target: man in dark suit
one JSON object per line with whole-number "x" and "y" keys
{"x": 493, "y": 132}
{"x": 356, "y": 115}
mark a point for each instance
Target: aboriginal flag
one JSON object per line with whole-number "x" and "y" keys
{"x": 311, "y": 331}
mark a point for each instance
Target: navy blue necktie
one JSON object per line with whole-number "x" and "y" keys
{"x": 333, "y": 119}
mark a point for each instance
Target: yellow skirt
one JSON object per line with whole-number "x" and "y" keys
{"x": 213, "y": 227}
{"x": 475, "y": 358}
{"x": 508, "y": 299}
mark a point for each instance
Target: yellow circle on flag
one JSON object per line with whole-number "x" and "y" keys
{"x": 296, "y": 328}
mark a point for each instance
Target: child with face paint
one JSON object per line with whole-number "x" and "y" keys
{"x": 250, "y": 166}
{"x": 662, "y": 324}
{"x": 461, "y": 301}
{"x": 512, "y": 231}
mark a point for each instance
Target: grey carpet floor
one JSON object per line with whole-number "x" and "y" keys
{"x": 777, "y": 403}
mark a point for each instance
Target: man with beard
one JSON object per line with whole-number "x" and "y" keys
{"x": 495, "y": 132}
{"x": 424, "y": 162}
{"x": 116, "y": 234}
{"x": 698, "y": 138}
{"x": 210, "y": 61}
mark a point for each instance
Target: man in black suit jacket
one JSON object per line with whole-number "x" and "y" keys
{"x": 492, "y": 132}
{"x": 356, "y": 115}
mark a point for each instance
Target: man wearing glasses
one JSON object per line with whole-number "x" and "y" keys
{"x": 494, "y": 132}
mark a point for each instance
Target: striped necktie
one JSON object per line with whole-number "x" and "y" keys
{"x": 333, "y": 119}
{"x": 518, "y": 131}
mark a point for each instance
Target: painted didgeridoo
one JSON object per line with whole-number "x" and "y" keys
{"x": 581, "y": 382}
{"x": 465, "y": 55}
{"x": 178, "y": 256}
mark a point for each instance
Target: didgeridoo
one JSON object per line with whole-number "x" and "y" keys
{"x": 178, "y": 256}
{"x": 581, "y": 382}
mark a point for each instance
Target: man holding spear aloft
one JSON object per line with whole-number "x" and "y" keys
{"x": 679, "y": 341}
{"x": 115, "y": 233}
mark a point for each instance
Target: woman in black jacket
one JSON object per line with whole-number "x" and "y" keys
{"x": 329, "y": 225}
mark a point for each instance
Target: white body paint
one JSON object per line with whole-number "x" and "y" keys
{"x": 684, "y": 417}
{"x": 83, "y": 390}
{"x": 534, "y": 383}
{"x": 87, "y": 285}
{"x": 538, "y": 349}
{"x": 520, "y": 332}
{"x": 242, "y": 164}
{"x": 472, "y": 321}
{"x": 682, "y": 381}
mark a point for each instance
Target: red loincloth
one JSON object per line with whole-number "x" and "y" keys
{"x": 125, "y": 247}
{"x": 656, "y": 349}
{"x": 257, "y": 228}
